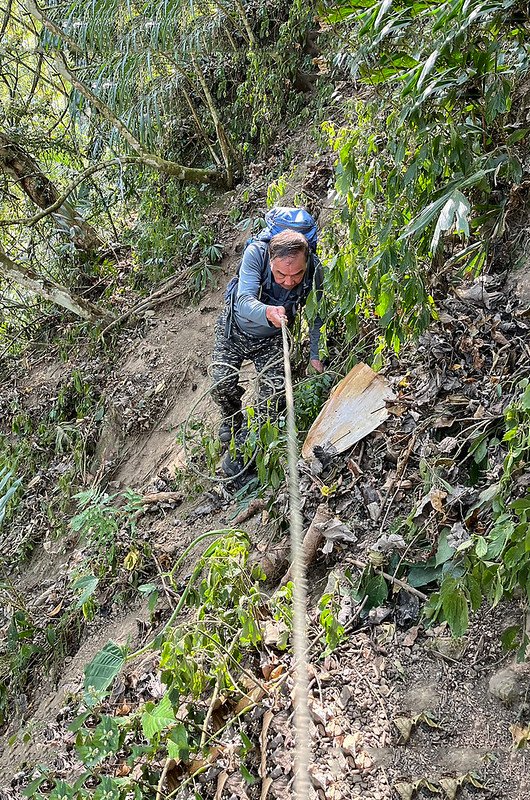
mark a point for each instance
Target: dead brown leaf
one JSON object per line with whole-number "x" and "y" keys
{"x": 249, "y": 699}
{"x": 520, "y": 736}
{"x": 411, "y": 635}
{"x": 56, "y": 610}
{"x": 221, "y": 780}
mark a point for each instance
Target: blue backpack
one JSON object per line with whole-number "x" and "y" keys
{"x": 278, "y": 219}
{"x": 282, "y": 218}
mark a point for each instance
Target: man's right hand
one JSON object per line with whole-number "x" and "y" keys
{"x": 276, "y": 315}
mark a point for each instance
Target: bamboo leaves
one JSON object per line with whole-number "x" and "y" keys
{"x": 8, "y": 487}
{"x": 454, "y": 215}
{"x": 452, "y": 209}
{"x": 428, "y": 150}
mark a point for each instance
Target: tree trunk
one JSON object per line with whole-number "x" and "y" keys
{"x": 51, "y": 291}
{"x": 14, "y": 161}
{"x": 224, "y": 143}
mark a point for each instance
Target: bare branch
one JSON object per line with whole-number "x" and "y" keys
{"x": 51, "y": 291}
{"x": 115, "y": 162}
{"x": 34, "y": 11}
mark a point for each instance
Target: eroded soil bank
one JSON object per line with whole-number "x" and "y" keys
{"x": 398, "y": 709}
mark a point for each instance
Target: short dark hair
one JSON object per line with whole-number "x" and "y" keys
{"x": 287, "y": 244}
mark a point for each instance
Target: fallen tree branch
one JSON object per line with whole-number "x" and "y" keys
{"x": 312, "y": 539}
{"x": 162, "y": 497}
{"x": 147, "y": 302}
{"x": 397, "y": 581}
{"x": 253, "y": 508}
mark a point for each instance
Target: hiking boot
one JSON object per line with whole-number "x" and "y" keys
{"x": 238, "y": 472}
{"x": 229, "y": 427}
{"x": 232, "y": 466}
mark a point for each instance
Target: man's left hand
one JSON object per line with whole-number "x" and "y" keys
{"x": 317, "y": 365}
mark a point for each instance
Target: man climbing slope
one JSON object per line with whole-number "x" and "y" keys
{"x": 278, "y": 271}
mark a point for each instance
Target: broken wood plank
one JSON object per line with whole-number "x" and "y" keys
{"x": 356, "y": 407}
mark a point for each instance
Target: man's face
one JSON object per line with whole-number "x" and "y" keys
{"x": 289, "y": 272}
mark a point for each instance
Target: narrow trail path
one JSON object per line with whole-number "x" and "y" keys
{"x": 397, "y": 712}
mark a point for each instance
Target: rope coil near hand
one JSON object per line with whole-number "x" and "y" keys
{"x": 300, "y": 641}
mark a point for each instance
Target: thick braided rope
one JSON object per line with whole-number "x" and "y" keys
{"x": 301, "y": 712}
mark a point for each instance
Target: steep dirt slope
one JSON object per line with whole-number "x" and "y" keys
{"x": 397, "y": 711}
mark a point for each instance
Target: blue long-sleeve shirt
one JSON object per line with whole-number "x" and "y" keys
{"x": 250, "y": 312}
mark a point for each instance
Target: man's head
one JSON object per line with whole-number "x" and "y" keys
{"x": 288, "y": 253}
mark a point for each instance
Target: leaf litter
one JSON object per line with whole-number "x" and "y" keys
{"x": 447, "y": 390}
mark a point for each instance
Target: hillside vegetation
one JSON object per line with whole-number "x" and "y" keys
{"x": 140, "y": 146}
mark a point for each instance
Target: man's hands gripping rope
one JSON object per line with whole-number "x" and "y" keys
{"x": 277, "y": 316}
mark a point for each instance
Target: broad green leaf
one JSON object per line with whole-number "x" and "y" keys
{"x": 444, "y": 551}
{"x": 102, "y": 670}
{"x": 525, "y": 399}
{"x": 157, "y": 718}
{"x": 517, "y": 136}
{"x": 147, "y": 588}
{"x": 481, "y": 547}
{"x": 422, "y": 575}
{"x": 249, "y": 779}
{"x": 510, "y": 637}
{"x": 376, "y": 590}
{"x": 454, "y": 605}
{"x": 177, "y": 743}
{"x": 88, "y": 584}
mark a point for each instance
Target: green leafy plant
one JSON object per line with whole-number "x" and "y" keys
{"x": 329, "y": 607}
{"x": 494, "y": 564}
{"x": 265, "y": 445}
{"x": 434, "y": 136}
{"x": 226, "y": 599}
{"x": 202, "y": 652}
{"x": 108, "y": 524}
{"x": 276, "y": 190}
{"x": 310, "y": 395}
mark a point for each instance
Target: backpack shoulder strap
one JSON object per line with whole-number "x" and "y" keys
{"x": 309, "y": 276}
{"x": 261, "y": 244}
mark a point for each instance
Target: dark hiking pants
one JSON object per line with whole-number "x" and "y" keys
{"x": 228, "y": 356}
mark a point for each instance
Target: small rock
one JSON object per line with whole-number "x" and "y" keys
{"x": 318, "y": 778}
{"x": 345, "y": 696}
{"x": 352, "y": 742}
{"x": 505, "y": 685}
{"x": 452, "y": 649}
{"x": 377, "y": 615}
